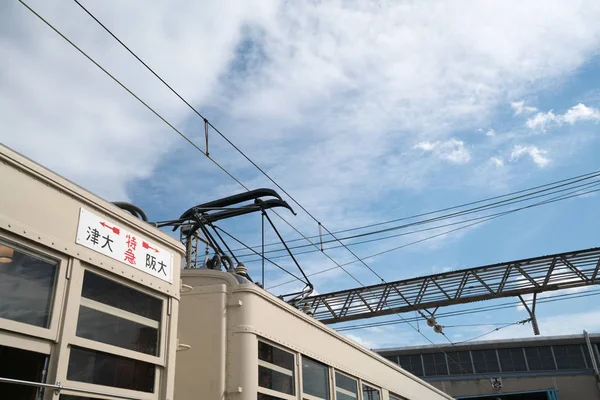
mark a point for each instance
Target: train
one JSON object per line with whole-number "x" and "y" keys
{"x": 98, "y": 303}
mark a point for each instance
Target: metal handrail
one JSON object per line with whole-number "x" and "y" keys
{"x": 58, "y": 387}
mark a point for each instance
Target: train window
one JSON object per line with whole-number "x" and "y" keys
{"x": 346, "y": 388}
{"x": 396, "y": 397}
{"x": 262, "y": 396}
{"x": 275, "y": 370}
{"x": 315, "y": 379}
{"x": 27, "y": 285}
{"x": 370, "y": 393}
{"x": 105, "y": 369}
{"x": 115, "y": 314}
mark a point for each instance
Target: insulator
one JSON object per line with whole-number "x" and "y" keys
{"x": 241, "y": 269}
{"x": 431, "y": 321}
{"x": 438, "y": 329}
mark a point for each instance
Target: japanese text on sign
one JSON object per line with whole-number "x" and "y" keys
{"x": 100, "y": 235}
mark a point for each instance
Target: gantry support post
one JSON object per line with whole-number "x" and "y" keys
{"x": 531, "y": 311}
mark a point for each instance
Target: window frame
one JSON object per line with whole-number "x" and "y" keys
{"x": 306, "y": 396}
{"x": 295, "y": 376}
{"x": 159, "y": 360}
{"x": 70, "y": 338}
{"x": 372, "y": 386}
{"x": 335, "y": 387}
{"x": 62, "y": 265}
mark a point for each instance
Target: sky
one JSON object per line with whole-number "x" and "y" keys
{"x": 362, "y": 111}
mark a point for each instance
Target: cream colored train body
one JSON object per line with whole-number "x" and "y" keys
{"x": 94, "y": 305}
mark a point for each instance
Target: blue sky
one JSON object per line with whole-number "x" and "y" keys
{"x": 362, "y": 112}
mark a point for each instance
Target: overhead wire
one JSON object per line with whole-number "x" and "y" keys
{"x": 261, "y": 170}
{"x": 256, "y": 166}
{"x": 485, "y": 219}
{"x": 522, "y": 322}
{"x": 475, "y": 310}
{"x": 441, "y": 218}
{"x": 574, "y": 179}
{"x": 134, "y": 95}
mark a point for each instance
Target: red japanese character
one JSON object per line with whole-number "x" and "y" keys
{"x": 131, "y": 242}
{"x": 130, "y": 256}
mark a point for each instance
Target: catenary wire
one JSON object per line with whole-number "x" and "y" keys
{"x": 440, "y": 234}
{"x": 475, "y": 310}
{"x": 291, "y": 197}
{"x": 134, "y": 95}
{"x": 255, "y": 165}
{"x": 588, "y": 184}
{"x": 522, "y": 322}
{"x": 585, "y": 176}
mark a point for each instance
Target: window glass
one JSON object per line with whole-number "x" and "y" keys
{"x": 275, "y": 356}
{"x": 346, "y": 388}
{"x": 114, "y": 314}
{"x": 370, "y": 393}
{"x": 275, "y": 369}
{"x": 262, "y": 396}
{"x": 22, "y": 365}
{"x": 459, "y": 363}
{"x": 435, "y": 364}
{"x": 70, "y": 397}
{"x": 27, "y": 285}
{"x": 315, "y": 378}
{"x": 412, "y": 363}
{"x": 110, "y": 370}
{"x": 540, "y": 358}
{"x": 275, "y": 380}
{"x": 396, "y": 397}
{"x": 512, "y": 360}
{"x": 485, "y": 361}
{"x": 569, "y": 357}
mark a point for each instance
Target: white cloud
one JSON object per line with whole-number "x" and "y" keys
{"x": 490, "y": 132}
{"x": 497, "y": 161}
{"x": 575, "y": 114}
{"x": 314, "y": 92}
{"x": 451, "y": 150}
{"x": 520, "y": 108}
{"x": 541, "y": 120}
{"x": 581, "y": 113}
{"x": 536, "y": 154}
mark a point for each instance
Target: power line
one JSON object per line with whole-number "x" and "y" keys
{"x": 488, "y": 218}
{"x": 260, "y": 169}
{"x": 255, "y": 165}
{"x": 135, "y": 96}
{"x": 574, "y": 179}
{"x": 522, "y": 322}
{"x": 588, "y": 184}
{"x": 476, "y": 310}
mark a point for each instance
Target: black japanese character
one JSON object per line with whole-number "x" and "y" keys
{"x": 150, "y": 262}
{"x": 162, "y": 267}
{"x": 93, "y": 235}
{"x": 107, "y": 242}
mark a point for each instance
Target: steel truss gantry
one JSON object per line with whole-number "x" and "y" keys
{"x": 508, "y": 279}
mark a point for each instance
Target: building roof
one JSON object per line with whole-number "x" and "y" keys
{"x": 501, "y": 343}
